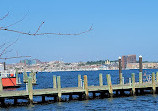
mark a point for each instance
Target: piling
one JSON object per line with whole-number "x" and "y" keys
{"x": 121, "y": 80}
{"x": 86, "y": 87}
{"x": 30, "y": 90}
{"x": 1, "y": 85}
{"x": 79, "y": 80}
{"x": 54, "y": 81}
{"x": 17, "y": 82}
{"x": 157, "y": 77}
{"x": 120, "y": 70}
{"x": 140, "y": 78}
{"x": 59, "y": 89}
{"x": 34, "y": 77}
{"x": 109, "y": 84}
{"x": 25, "y": 77}
{"x": 100, "y": 80}
{"x": 133, "y": 83}
{"x": 4, "y": 65}
{"x": 140, "y": 63}
{"x": 153, "y": 83}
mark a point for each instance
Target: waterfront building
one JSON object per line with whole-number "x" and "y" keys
{"x": 128, "y": 59}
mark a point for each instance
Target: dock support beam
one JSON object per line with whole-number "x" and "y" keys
{"x": 54, "y": 81}
{"x": 133, "y": 84}
{"x": 70, "y": 97}
{"x": 2, "y": 101}
{"x": 1, "y": 85}
{"x": 100, "y": 79}
{"x": 109, "y": 84}
{"x": 153, "y": 83}
{"x": 59, "y": 89}
{"x": 15, "y": 101}
{"x": 30, "y": 90}
{"x": 140, "y": 78}
{"x": 79, "y": 80}
{"x": 86, "y": 87}
{"x": 43, "y": 98}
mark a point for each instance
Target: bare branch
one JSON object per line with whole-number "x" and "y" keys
{"x": 39, "y": 27}
{"x": 15, "y": 57}
{"x": 16, "y": 21}
{"x": 4, "y": 16}
{"x": 2, "y": 45}
{"x": 34, "y": 34}
{"x": 4, "y": 50}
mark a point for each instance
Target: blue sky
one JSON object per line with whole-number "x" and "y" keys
{"x": 120, "y": 27}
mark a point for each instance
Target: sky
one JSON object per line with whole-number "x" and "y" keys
{"x": 120, "y": 27}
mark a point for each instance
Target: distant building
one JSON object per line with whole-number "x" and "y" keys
{"x": 30, "y": 62}
{"x": 128, "y": 59}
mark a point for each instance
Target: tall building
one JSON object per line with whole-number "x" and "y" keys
{"x": 128, "y": 59}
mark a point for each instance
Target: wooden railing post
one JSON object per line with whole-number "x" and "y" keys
{"x": 133, "y": 83}
{"x": 54, "y": 81}
{"x": 79, "y": 80}
{"x": 109, "y": 84}
{"x": 86, "y": 87}
{"x": 1, "y": 85}
{"x": 153, "y": 83}
{"x": 140, "y": 78}
{"x": 59, "y": 88}
{"x": 100, "y": 79}
{"x": 30, "y": 90}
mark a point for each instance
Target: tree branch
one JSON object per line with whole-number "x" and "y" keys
{"x": 4, "y": 16}
{"x": 34, "y": 34}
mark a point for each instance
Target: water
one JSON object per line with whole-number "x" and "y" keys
{"x": 69, "y": 79}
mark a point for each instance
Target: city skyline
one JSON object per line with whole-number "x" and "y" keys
{"x": 119, "y": 28}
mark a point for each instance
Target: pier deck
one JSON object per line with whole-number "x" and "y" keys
{"x": 82, "y": 90}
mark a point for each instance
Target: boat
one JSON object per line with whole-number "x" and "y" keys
{"x": 9, "y": 80}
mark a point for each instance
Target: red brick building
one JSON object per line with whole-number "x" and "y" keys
{"x": 128, "y": 59}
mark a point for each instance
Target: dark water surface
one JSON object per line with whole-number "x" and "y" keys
{"x": 69, "y": 79}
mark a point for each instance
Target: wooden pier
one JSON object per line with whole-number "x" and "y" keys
{"x": 83, "y": 90}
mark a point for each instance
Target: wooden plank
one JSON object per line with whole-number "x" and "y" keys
{"x": 86, "y": 87}
{"x": 100, "y": 79}
{"x": 109, "y": 85}
{"x": 153, "y": 83}
{"x": 54, "y": 81}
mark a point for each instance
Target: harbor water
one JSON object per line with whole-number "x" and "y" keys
{"x": 146, "y": 102}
